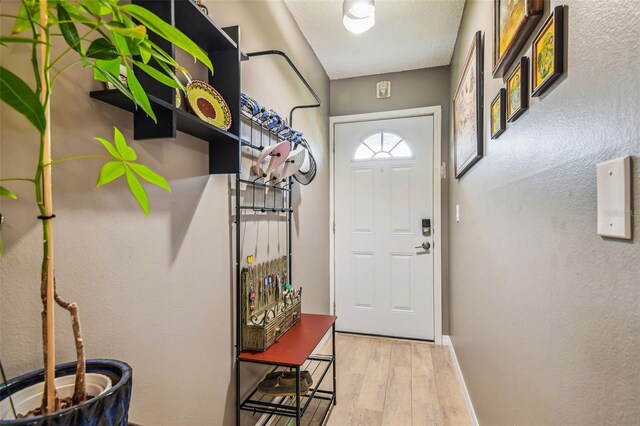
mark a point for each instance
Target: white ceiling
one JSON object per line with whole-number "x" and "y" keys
{"x": 408, "y": 34}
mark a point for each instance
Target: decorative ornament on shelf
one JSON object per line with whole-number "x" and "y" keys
{"x": 202, "y": 6}
{"x": 205, "y": 102}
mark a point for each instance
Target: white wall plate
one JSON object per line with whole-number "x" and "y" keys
{"x": 614, "y": 198}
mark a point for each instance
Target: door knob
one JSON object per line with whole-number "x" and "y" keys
{"x": 425, "y": 246}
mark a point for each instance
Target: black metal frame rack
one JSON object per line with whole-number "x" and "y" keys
{"x": 299, "y": 405}
{"x": 284, "y": 406}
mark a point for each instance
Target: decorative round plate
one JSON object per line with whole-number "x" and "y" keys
{"x": 205, "y": 102}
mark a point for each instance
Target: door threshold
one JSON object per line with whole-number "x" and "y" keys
{"x": 413, "y": 339}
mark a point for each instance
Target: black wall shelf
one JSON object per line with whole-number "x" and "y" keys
{"x": 222, "y": 48}
{"x": 185, "y": 122}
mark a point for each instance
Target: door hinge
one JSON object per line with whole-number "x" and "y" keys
{"x": 334, "y": 226}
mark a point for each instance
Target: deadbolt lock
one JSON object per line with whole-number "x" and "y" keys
{"x": 426, "y": 227}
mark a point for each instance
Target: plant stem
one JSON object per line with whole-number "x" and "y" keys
{"x": 70, "y": 48}
{"x": 48, "y": 260}
{"x": 80, "y": 388}
{"x": 62, "y": 70}
{"x": 76, "y": 157}
{"x": 4, "y": 15}
{"x": 17, "y": 179}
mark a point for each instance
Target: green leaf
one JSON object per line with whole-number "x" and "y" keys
{"x": 150, "y": 176}
{"x": 112, "y": 67}
{"x": 109, "y": 172}
{"x": 167, "y": 32}
{"x": 137, "y": 32}
{"x": 4, "y": 192}
{"x": 122, "y": 45}
{"x": 116, "y": 82}
{"x": 138, "y": 191}
{"x": 158, "y": 75}
{"x": 159, "y": 55}
{"x": 145, "y": 53}
{"x": 168, "y": 71}
{"x": 126, "y": 152}
{"x": 101, "y": 48}
{"x": 139, "y": 94}
{"x": 20, "y": 40}
{"x": 130, "y": 154}
{"x": 96, "y": 7}
{"x": 120, "y": 141}
{"x": 134, "y": 45}
{"x": 109, "y": 147}
{"x": 19, "y": 96}
{"x": 23, "y": 22}
{"x": 68, "y": 29}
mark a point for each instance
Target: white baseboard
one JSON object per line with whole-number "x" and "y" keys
{"x": 446, "y": 341}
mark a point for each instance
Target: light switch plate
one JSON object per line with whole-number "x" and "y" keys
{"x": 383, "y": 89}
{"x": 614, "y": 198}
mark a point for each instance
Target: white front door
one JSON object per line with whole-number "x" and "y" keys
{"x": 383, "y": 191}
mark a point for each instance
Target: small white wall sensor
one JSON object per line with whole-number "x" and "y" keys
{"x": 383, "y": 89}
{"x": 457, "y": 212}
{"x": 614, "y": 198}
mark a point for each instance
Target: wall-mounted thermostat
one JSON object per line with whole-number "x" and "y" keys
{"x": 383, "y": 89}
{"x": 614, "y": 198}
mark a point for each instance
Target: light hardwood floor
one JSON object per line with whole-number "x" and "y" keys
{"x": 395, "y": 382}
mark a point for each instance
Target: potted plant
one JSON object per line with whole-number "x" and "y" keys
{"x": 105, "y": 36}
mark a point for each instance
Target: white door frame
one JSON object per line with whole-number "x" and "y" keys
{"x": 436, "y": 112}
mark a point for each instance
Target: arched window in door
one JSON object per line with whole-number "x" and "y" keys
{"x": 383, "y": 145}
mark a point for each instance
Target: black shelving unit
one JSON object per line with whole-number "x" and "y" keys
{"x": 222, "y": 47}
{"x": 297, "y": 406}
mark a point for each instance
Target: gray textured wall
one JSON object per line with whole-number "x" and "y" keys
{"x": 409, "y": 89}
{"x": 157, "y": 292}
{"x": 545, "y": 314}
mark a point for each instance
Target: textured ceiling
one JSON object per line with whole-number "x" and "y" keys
{"x": 408, "y": 34}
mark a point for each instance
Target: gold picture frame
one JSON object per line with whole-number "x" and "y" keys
{"x": 547, "y": 53}
{"x": 517, "y": 90}
{"x": 499, "y": 114}
{"x": 513, "y": 22}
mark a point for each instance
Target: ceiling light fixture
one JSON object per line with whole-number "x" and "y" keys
{"x": 358, "y": 15}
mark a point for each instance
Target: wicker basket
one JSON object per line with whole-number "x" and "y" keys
{"x": 276, "y": 321}
{"x": 272, "y": 314}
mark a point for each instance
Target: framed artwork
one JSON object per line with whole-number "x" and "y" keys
{"x": 467, "y": 111}
{"x": 499, "y": 114}
{"x": 513, "y": 22}
{"x": 518, "y": 90}
{"x": 547, "y": 53}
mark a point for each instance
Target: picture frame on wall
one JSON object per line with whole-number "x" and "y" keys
{"x": 547, "y": 52}
{"x": 499, "y": 114}
{"x": 513, "y": 23}
{"x": 468, "y": 141}
{"x": 518, "y": 90}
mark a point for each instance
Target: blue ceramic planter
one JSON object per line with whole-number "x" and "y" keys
{"x": 109, "y": 409}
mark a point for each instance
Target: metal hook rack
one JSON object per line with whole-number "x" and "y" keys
{"x": 286, "y": 207}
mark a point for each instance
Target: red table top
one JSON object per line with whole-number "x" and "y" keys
{"x": 295, "y": 346}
